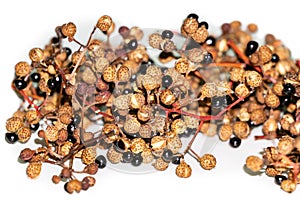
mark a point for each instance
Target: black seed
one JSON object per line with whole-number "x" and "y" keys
{"x": 101, "y": 161}
{"x": 235, "y": 142}
{"x": 205, "y": 24}
{"x": 34, "y": 127}
{"x": 71, "y": 128}
{"x": 11, "y": 138}
{"x": 20, "y": 84}
{"x": 167, "y": 155}
{"x": 176, "y": 160}
{"x": 132, "y": 44}
{"x": 227, "y": 101}
{"x": 207, "y": 59}
{"x": 275, "y": 58}
{"x": 68, "y": 51}
{"x": 188, "y": 132}
{"x": 119, "y": 146}
{"x": 55, "y": 40}
{"x": 35, "y": 77}
{"x": 279, "y": 179}
{"x": 210, "y": 41}
{"x": 251, "y": 47}
{"x": 167, "y": 34}
{"x": 288, "y": 89}
{"x": 76, "y": 119}
{"x": 137, "y": 160}
{"x": 71, "y": 138}
{"x": 193, "y": 15}
{"x": 52, "y": 84}
{"x": 216, "y": 102}
{"x": 127, "y": 156}
{"x": 167, "y": 81}
{"x": 127, "y": 91}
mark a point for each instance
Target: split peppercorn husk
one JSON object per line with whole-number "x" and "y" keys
{"x": 136, "y": 95}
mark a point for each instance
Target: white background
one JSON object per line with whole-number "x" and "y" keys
{"x": 27, "y": 24}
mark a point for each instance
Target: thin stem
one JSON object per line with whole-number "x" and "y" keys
{"x": 193, "y": 138}
{"x": 238, "y": 51}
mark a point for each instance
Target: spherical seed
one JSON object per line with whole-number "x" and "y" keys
{"x": 182, "y": 65}
{"x": 158, "y": 143}
{"x": 137, "y": 160}
{"x": 22, "y": 69}
{"x": 252, "y": 28}
{"x": 288, "y": 89}
{"x": 174, "y": 144}
{"x": 89, "y": 155}
{"x": 147, "y": 155}
{"x": 11, "y": 138}
{"x": 208, "y": 162}
{"x": 286, "y": 144}
{"x": 254, "y": 163}
{"x": 183, "y": 170}
{"x": 258, "y": 117}
{"x": 270, "y": 126}
{"x": 104, "y": 23}
{"x": 241, "y": 129}
{"x": 109, "y": 73}
{"x": 33, "y": 170}
{"x": 74, "y": 185}
{"x": 225, "y": 132}
{"x": 91, "y": 169}
{"x": 253, "y": 78}
{"x": 190, "y": 25}
{"x": 123, "y": 74}
{"x": 132, "y": 126}
{"x": 242, "y": 90}
{"x": 36, "y": 54}
{"x": 264, "y": 54}
{"x": 26, "y": 154}
{"x": 24, "y": 134}
{"x": 200, "y": 34}
{"x": 56, "y": 179}
{"x": 251, "y": 47}
{"x": 51, "y": 133}
{"x": 137, "y": 101}
{"x": 178, "y": 126}
{"x": 235, "y": 142}
{"x": 13, "y": 124}
{"x": 137, "y": 145}
{"x": 279, "y": 178}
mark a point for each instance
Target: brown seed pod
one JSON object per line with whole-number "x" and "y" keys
{"x": 271, "y": 171}
{"x": 225, "y": 132}
{"x": 36, "y": 54}
{"x": 137, "y": 101}
{"x": 137, "y": 145}
{"x": 208, "y": 161}
{"x": 271, "y": 155}
{"x": 253, "y": 78}
{"x": 51, "y": 133}
{"x": 33, "y": 170}
{"x": 242, "y": 90}
{"x": 174, "y": 144}
{"x": 252, "y": 28}
{"x": 147, "y": 156}
{"x": 13, "y": 124}
{"x": 22, "y": 69}
{"x": 182, "y": 65}
{"x": 109, "y": 73}
{"x": 69, "y": 29}
{"x": 26, "y": 154}
{"x": 24, "y": 134}
{"x": 270, "y": 126}
{"x": 241, "y": 129}
{"x": 74, "y": 185}
{"x": 104, "y": 23}
{"x": 278, "y": 88}
{"x": 91, "y": 168}
{"x": 88, "y": 76}
{"x": 123, "y": 74}
{"x": 183, "y": 170}
{"x": 286, "y": 121}
{"x": 254, "y": 163}
{"x": 160, "y": 164}
{"x": 113, "y": 156}
{"x": 111, "y": 131}
{"x": 200, "y": 35}
{"x": 158, "y": 143}
{"x": 159, "y": 124}
{"x": 258, "y": 116}
{"x": 149, "y": 82}
{"x": 237, "y": 74}
{"x": 286, "y": 144}
{"x": 288, "y": 186}
{"x": 272, "y": 100}
{"x": 65, "y": 118}
{"x": 122, "y": 102}
{"x": 132, "y": 125}
{"x": 190, "y": 25}
{"x": 56, "y": 179}
{"x": 66, "y": 148}
{"x": 243, "y": 114}
{"x": 264, "y": 54}
{"x": 167, "y": 45}
{"x": 144, "y": 114}
{"x": 167, "y": 97}
{"x": 178, "y": 126}
{"x": 89, "y": 155}
{"x": 295, "y": 128}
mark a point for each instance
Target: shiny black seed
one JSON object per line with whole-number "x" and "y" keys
{"x": 132, "y": 44}
{"x": 235, "y": 142}
{"x": 188, "y": 132}
{"x": 76, "y": 119}
{"x": 207, "y": 59}
{"x": 176, "y": 160}
{"x": 167, "y": 155}
{"x": 68, "y": 51}
{"x": 279, "y": 178}
{"x": 251, "y": 47}
{"x": 11, "y": 138}
{"x": 275, "y": 58}
{"x": 35, "y": 77}
{"x": 193, "y": 15}
{"x": 288, "y": 89}
{"x": 137, "y": 160}
{"x": 167, "y": 34}
{"x": 20, "y": 84}
{"x": 55, "y": 40}
{"x": 217, "y": 102}
{"x": 101, "y": 161}
{"x": 210, "y": 41}
{"x": 71, "y": 128}
{"x": 34, "y": 127}
{"x": 167, "y": 81}
{"x": 71, "y": 138}
{"x": 127, "y": 156}
{"x": 52, "y": 84}
{"x": 205, "y": 24}
{"x": 227, "y": 101}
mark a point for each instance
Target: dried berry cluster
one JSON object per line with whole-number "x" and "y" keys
{"x": 137, "y": 104}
